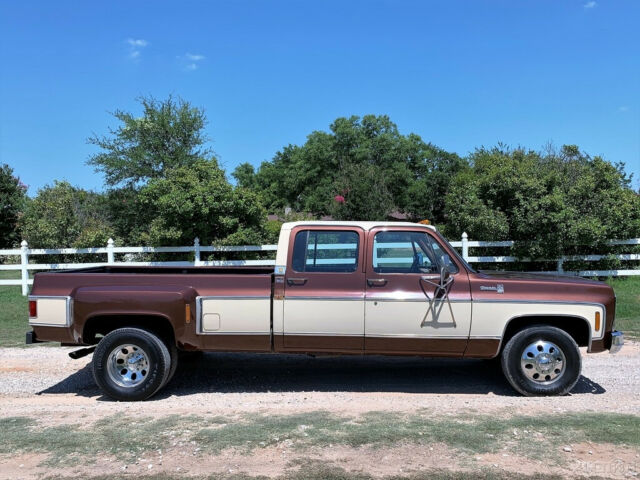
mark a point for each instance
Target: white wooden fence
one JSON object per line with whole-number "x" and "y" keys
{"x": 110, "y": 250}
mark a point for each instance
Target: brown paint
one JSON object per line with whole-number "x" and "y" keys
{"x": 441, "y": 347}
{"x": 237, "y": 343}
{"x": 482, "y": 348}
{"x": 320, "y": 343}
{"x": 475, "y": 348}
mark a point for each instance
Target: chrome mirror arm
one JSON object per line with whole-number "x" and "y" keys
{"x": 442, "y": 287}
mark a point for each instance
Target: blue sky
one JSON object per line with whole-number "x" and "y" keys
{"x": 459, "y": 73}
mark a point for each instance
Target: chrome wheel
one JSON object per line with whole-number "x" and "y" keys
{"x": 543, "y": 362}
{"x": 128, "y": 365}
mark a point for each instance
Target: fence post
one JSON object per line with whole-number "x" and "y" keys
{"x": 24, "y": 262}
{"x": 465, "y": 246}
{"x": 559, "y": 265}
{"x": 110, "y": 256}
{"x": 196, "y": 249}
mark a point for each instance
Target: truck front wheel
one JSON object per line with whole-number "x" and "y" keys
{"x": 542, "y": 360}
{"x": 131, "y": 364}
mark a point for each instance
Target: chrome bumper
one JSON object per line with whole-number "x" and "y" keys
{"x": 617, "y": 340}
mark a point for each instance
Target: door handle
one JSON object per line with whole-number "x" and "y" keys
{"x": 376, "y": 282}
{"x": 429, "y": 278}
{"x": 296, "y": 281}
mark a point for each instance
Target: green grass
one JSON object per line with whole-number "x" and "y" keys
{"x": 317, "y": 471}
{"x": 469, "y": 434}
{"x": 14, "y": 324}
{"x": 474, "y": 434}
{"x": 628, "y": 305}
{"x": 13, "y": 312}
{"x": 70, "y": 443}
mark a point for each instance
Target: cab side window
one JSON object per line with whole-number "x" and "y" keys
{"x": 407, "y": 252}
{"x": 326, "y": 251}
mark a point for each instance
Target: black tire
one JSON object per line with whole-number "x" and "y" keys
{"x": 520, "y": 362}
{"x": 173, "y": 354}
{"x": 149, "y": 381}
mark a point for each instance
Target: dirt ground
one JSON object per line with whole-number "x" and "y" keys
{"x": 44, "y": 383}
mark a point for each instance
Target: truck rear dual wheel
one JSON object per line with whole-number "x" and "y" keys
{"x": 541, "y": 360}
{"x": 131, "y": 364}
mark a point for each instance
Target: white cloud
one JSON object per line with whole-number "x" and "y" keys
{"x": 191, "y": 61}
{"x": 137, "y": 43}
{"x": 623, "y": 108}
{"x": 590, "y": 4}
{"x": 135, "y": 47}
{"x": 195, "y": 57}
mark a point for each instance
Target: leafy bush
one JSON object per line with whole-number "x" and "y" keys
{"x": 197, "y": 201}
{"x": 553, "y": 204}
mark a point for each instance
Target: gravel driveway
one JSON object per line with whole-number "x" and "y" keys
{"x": 43, "y": 379}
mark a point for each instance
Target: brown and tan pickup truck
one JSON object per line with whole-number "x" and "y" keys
{"x": 367, "y": 288}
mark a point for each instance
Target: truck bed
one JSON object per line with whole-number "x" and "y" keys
{"x": 229, "y": 308}
{"x": 133, "y": 280}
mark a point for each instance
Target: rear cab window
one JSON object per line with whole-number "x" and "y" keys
{"x": 326, "y": 251}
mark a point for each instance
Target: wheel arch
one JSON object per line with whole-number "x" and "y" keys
{"x": 576, "y": 326}
{"x": 100, "y": 325}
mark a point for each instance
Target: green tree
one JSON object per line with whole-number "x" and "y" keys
{"x": 415, "y": 174}
{"x": 198, "y": 201}
{"x": 245, "y": 175}
{"x": 127, "y": 214}
{"x": 12, "y": 202}
{"x": 364, "y": 193}
{"x": 169, "y": 134}
{"x": 65, "y": 216}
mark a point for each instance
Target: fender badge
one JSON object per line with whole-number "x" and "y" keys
{"x": 499, "y": 288}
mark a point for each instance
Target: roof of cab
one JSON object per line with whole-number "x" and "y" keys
{"x": 363, "y": 225}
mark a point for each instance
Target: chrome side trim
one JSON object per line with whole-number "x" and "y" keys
{"x": 423, "y": 299}
{"x": 199, "y": 300}
{"x": 69, "y": 310}
{"x": 198, "y": 315}
{"x": 329, "y": 299}
{"x": 320, "y": 334}
{"x": 234, "y": 297}
{"x": 222, "y": 334}
{"x": 560, "y": 302}
{"x": 389, "y": 335}
{"x": 555, "y": 302}
{"x": 415, "y": 335}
